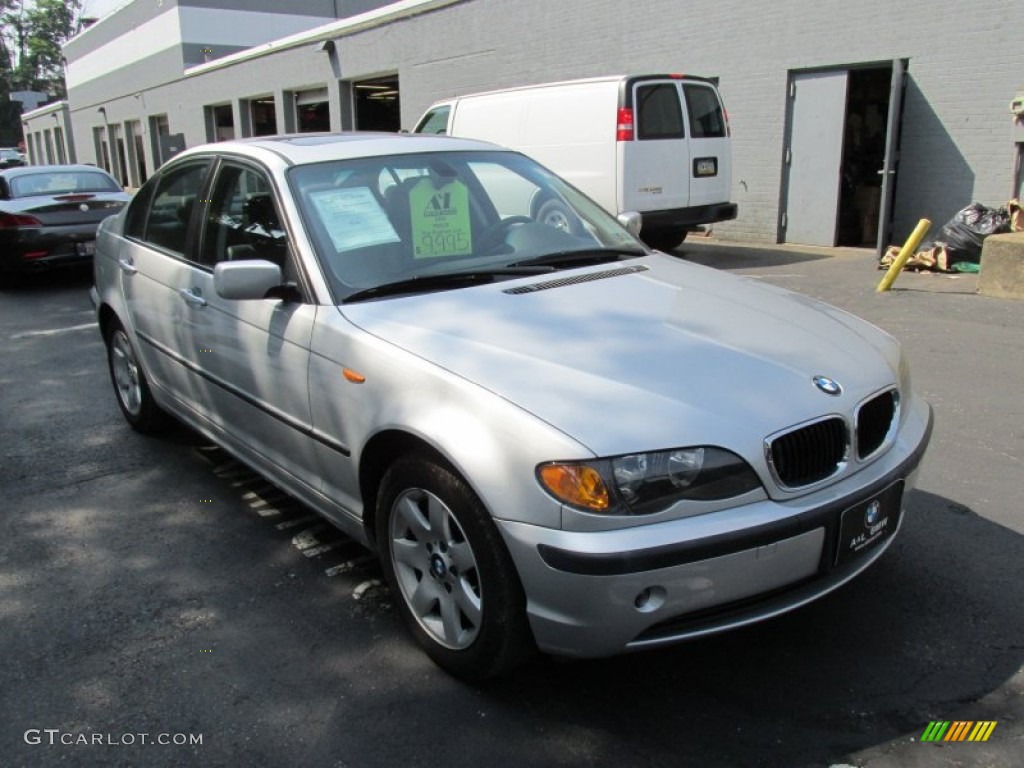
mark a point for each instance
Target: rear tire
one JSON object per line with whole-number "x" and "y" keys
{"x": 130, "y": 385}
{"x": 454, "y": 582}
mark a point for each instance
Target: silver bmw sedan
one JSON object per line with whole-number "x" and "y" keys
{"x": 555, "y": 438}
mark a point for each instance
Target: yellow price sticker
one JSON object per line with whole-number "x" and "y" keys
{"x": 440, "y": 220}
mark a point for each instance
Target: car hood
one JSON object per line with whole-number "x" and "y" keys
{"x": 645, "y": 354}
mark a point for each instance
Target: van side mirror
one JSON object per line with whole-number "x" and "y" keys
{"x": 632, "y": 221}
{"x": 246, "y": 280}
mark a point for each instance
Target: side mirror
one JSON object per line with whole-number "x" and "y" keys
{"x": 246, "y": 280}
{"x": 632, "y": 221}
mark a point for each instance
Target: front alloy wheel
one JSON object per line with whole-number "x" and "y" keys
{"x": 435, "y": 568}
{"x": 454, "y": 582}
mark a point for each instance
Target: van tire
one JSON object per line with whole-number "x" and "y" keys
{"x": 664, "y": 241}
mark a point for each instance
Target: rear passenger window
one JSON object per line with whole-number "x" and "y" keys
{"x": 706, "y": 118}
{"x": 660, "y": 115}
{"x": 173, "y": 200}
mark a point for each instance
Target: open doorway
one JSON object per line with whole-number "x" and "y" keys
{"x": 867, "y": 111}
{"x": 841, "y": 154}
{"x": 377, "y": 105}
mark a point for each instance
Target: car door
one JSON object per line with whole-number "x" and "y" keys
{"x": 251, "y": 356}
{"x": 154, "y": 259}
{"x": 656, "y": 163}
{"x": 710, "y": 152}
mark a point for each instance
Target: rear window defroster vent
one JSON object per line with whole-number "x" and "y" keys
{"x": 564, "y": 281}
{"x": 810, "y": 453}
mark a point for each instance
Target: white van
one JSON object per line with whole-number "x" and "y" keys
{"x": 657, "y": 144}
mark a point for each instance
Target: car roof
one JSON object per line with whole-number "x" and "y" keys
{"x": 304, "y": 148}
{"x": 29, "y": 170}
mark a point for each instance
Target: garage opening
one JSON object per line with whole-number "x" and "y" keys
{"x": 377, "y": 104}
{"x": 263, "y": 114}
{"x": 220, "y": 123}
{"x": 312, "y": 111}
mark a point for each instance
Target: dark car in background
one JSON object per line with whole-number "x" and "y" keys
{"x": 11, "y": 157}
{"x": 49, "y": 215}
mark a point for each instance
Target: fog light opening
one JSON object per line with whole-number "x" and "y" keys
{"x": 649, "y": 599}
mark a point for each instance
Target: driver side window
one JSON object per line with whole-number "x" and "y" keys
{"x": 242, "y": 220}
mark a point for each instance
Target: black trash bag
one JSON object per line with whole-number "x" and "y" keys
{"x": 963, "y": 235}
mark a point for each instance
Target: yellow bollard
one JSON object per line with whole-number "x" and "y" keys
{"x": 905, "y": 253}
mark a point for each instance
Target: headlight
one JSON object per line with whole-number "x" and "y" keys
{"x": 645, "y": 483}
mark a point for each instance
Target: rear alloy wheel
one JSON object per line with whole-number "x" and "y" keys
{"x": 456, "y": 587}
{"x": 130, "y": 385}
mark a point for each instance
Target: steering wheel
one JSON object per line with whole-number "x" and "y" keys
{"x": 494, "y": 235}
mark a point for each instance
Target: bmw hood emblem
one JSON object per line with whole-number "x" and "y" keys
{"x": 827, "y": 385}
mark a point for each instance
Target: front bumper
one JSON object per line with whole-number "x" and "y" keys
{"x": 599, "y": 593}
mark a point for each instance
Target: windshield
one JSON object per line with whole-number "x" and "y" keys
{"x": 399, "y": 218}
{"x": 61, "y": 183}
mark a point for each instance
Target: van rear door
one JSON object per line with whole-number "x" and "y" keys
{"x": 654, "y": 155}
{"x": 710, "y": 154}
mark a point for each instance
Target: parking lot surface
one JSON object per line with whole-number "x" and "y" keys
{"x": 161, "y": 606}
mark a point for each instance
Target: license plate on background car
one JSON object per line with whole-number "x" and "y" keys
{"x": 88, "y": 248}
{"x": 863, "y": 526}
{"x": 705, "y": 166}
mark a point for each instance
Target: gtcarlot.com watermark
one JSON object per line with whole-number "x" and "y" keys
{"x": 55, "y": 737}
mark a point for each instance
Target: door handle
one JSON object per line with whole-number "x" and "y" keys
{"x": 127, "y": 267}
{"x": 191, "y": 297}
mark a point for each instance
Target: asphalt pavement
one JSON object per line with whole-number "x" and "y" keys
{"x": 161, "y": 606}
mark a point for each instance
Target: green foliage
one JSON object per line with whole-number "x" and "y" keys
{"x": 31, "y": 34}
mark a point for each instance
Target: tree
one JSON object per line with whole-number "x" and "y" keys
{"x": 31, "y": 35}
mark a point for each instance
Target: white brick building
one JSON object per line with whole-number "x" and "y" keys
{"x": 807, "y": 86}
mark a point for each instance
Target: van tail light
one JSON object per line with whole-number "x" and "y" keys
{"x": 728, "y": 128}
{"x": 624, "y": 125}
{"x": 18, "y": 220}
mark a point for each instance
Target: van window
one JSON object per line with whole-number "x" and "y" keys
{"x": 706, "y": 119}
{"x": 435, "y": 121}
{"x": 660, "y": 113}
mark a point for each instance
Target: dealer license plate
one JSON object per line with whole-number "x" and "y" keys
{"x": 867, "y": 524}
{"x": 88, "y": 248}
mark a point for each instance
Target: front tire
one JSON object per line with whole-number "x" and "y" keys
{"x": 454, "y": 582}
{"x": 130, "y": 385}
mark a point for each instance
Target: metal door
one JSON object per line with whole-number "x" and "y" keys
{"x": 892, "y": 155}
{"x": 656, "y": 165}
{"x": 814, "y": 157}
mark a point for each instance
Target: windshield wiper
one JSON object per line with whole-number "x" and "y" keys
{"x": 446, "y": 280}
{"x": 582, "y": 257}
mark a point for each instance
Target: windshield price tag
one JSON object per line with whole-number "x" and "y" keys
{"x": 440, "y": 220}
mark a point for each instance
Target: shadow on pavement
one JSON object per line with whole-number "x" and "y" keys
{"x": 739, "y": 255}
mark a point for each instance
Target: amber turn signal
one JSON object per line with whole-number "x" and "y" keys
{"x": 576, "y": 484}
